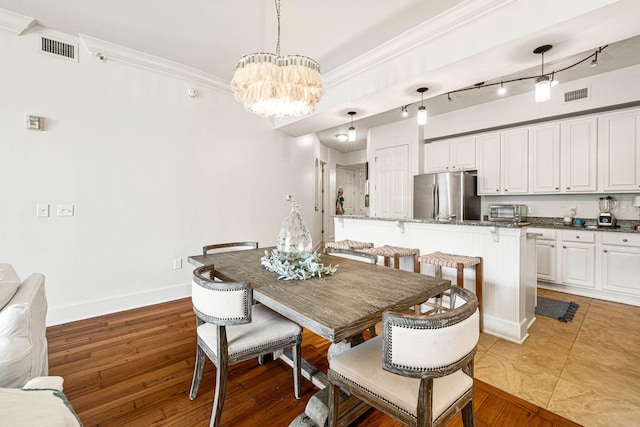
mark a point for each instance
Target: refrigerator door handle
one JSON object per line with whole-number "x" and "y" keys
{"x": 436, "y": 201}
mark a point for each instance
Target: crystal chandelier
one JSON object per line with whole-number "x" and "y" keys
{"x": 268, "y": 84}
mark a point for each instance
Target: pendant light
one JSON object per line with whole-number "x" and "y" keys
{"x": 543, "y": 82}
{"x": 352, "y": 130}
{"x": 422, "y": 110}
{"x": 271, "y": 85}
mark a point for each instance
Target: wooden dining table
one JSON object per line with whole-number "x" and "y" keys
{"x": 337, "y": 307}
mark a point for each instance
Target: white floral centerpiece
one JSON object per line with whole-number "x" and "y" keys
{"x": 293, "y": 259}
{"x": 296, "y": 269}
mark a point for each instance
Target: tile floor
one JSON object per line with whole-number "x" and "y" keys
{"x": 587, "y": 370}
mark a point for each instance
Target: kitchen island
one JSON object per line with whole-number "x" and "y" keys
{"x": 507, "y": 250}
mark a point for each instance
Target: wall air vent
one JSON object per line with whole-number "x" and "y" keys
{"x": 51, "y": 46}
{"x": 576, "y": 95}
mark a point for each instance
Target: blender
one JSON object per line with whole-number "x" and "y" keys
{"x": 605, "y": 217}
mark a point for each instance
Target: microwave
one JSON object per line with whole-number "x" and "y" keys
{"x": 511, "y": 213}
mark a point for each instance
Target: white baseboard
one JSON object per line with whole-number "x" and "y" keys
{"x": 501, "y": 328}
{"x": 71, "y": 313}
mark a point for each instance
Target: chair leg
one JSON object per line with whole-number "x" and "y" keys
{"x": 222, "y": 376}
{"x": 467, "y": 415}
{"x": 334, "y": 401}
{"x": 197, "y": 373}
{"x": 297, "y": 362}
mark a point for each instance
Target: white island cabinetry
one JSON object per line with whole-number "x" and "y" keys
{"x": 509, "y": 263}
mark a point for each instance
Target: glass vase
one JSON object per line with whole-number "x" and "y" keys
{"x": 294, "y": 240}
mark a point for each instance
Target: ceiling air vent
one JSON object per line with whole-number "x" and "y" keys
{"x": 577, "y": 94}
{"x": 58, "y": 48}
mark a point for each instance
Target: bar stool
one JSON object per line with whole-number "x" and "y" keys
{"x": 459, "y": 262}
{"x": 395, "y": 252}
{"x": 350, "y": 245}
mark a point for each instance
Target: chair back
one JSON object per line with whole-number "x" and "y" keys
{"x": 220, "y": 303}
{"x": 229, "y": 246}
{"x": 348, "y": 253}
{"x": 424, "y": 346}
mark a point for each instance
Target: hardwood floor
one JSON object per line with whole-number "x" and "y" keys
{"x": 134, "y": 368}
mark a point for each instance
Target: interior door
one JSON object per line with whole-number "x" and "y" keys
{"x": 392, "y": 186}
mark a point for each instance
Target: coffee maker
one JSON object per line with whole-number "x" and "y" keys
{"x": 605, "y": 217}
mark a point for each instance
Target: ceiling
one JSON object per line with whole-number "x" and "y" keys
{"x": 211, "y": 35}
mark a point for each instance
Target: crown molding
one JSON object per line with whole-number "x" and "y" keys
{"x": 14, "y": 23}
{"x": 449, "y": 21}
{"x": 108, "y": 51}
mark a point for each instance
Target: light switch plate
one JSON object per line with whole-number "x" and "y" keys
{"x": 42, "y": 210}
{"x": 65, "y": 210}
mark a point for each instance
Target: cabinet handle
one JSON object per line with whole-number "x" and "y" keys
{"x": 497, "y": 189}
{"x": 624, "y": 240}
{"x": 557, "y": 188}
{"x": 604, "y": 250}
{"x": 506, "y": 189}
{"x": 568, "y": 188}
{"x": 553, "y": 246}
{"x": 564, "y": 246}
{"x": 577, "y": 237}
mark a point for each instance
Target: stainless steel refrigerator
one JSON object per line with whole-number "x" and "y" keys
{"x": 448, "y": 196}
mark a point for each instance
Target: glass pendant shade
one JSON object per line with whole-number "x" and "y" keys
{"x": 352, "y": 134}
{"x": 543, "y": 88}
{"x": 422, "y": 115}
{"x": 294, "y": 239}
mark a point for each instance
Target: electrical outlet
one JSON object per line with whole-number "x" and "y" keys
{"x": 573, "y": 211}
{"x": 529, "y": 209}
{"x": 177, "y": 263}
{"x": 287, "y": 197}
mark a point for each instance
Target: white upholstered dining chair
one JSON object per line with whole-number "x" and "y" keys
{"x": 228, "y": 246}
{"x": 419, "y": 371}
{"x": 231, "y": 330}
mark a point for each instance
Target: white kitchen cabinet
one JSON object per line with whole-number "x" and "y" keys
{"x": 503, "y": 162}
{"x": 619, "y": 139}
{"x": 451, "y": 155}
{"x": 578, "y": 258}
{"x": 620, "y": 260}
{"x": 563, "y": 156}
{"x": 544, "y": 158}
{"x": 547, "y": 254}
{"x": 579, "y": 151}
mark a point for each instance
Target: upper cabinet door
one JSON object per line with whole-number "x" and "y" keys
{"x": 489, "y": 182}
{"x": 544, "y": 158}
{"x": 515, "y": 161}
{"x": 437, "y": 156}
{"x": 579, "y": 155}
{"x": 619, "y": 136}
{"x": 463, "y": 153}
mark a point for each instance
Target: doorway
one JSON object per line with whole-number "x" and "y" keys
{"x": 352, "y": 180}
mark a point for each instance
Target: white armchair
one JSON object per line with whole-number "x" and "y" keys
{"x": 23, "y": 341}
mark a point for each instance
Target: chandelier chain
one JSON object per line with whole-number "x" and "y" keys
{"x": 277, "y": 2}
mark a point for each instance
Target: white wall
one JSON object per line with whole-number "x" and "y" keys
{"x": 153, "y": 174}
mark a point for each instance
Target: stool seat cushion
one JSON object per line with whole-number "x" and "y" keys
{"x": 348, "y": 244}
{"x": 390, "y": 251}
{"x": 449, "y": 260}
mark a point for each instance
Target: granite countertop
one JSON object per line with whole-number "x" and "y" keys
{"x": 475, "y": 223}
{"x": 624, "y": 226}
